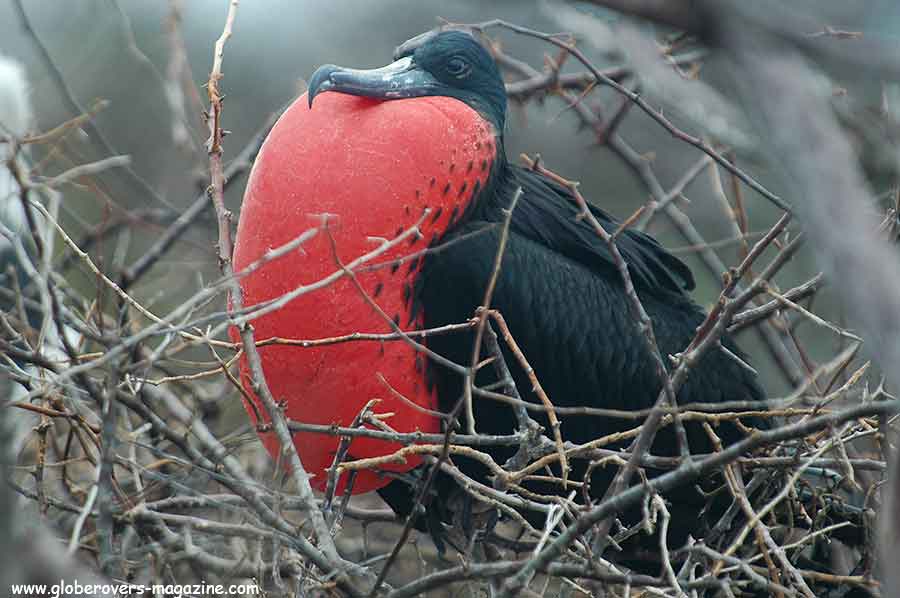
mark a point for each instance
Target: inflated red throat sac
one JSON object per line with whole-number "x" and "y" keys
{"x": 362, "y": 166}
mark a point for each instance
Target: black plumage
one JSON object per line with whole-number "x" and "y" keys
{"x": 565, "y": 304}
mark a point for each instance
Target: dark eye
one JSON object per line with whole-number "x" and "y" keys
{"x": 457, "y": 67}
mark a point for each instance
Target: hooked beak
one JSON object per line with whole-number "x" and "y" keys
{"x": 400, "y": 79}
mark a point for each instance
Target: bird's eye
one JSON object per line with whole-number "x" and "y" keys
{"x": 458, "y": 67}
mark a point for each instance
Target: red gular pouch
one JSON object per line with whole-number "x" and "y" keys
{"x": 373, "y": 168}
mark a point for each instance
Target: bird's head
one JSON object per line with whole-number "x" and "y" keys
{"x": 449, "y": 63}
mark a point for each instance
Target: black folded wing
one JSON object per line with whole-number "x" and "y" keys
{"x": 548, "y": 214}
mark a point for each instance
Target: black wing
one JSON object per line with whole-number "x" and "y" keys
{"x": 547, "y": 214}
{"x": 574, "y": 324}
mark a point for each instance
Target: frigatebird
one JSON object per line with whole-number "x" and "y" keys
{"x": 416, "y": 148}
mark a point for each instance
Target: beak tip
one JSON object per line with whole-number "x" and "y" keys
{"x": 320, "y": 81}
